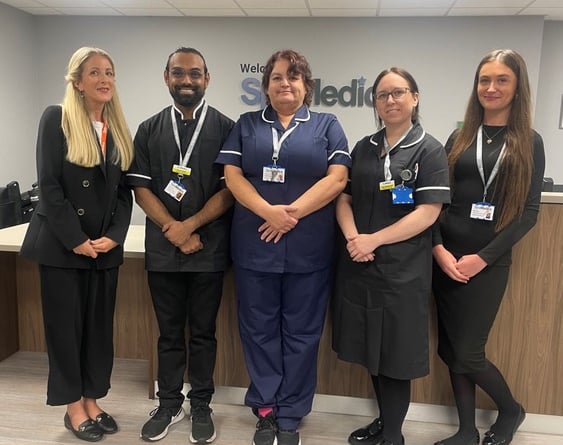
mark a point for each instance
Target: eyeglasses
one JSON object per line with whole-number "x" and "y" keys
{"x": 397, "y": 93}
{"x": 179, "y": 73}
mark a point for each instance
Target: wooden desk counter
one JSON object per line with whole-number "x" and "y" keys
{"x": 526, "y": 342}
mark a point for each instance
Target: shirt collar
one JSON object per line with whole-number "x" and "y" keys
{"x": 196, "y": 113}
{"x": 270, "y": 115}
{"x": 414, "y": 136}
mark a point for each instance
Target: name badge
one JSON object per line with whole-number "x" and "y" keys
{"x": 402, "y": 195}
{"x": 387, "y": 185}
{"x": 273, "y": 173}
{"x": 176, "y": 189}
{"x": 181, "y": 170}
{"x": 482, "y": 210}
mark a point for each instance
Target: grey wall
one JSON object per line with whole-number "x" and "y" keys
{"x": 550, "y": 99}
{"x": 20, "y": 87}
{"x": 441, "y": 53}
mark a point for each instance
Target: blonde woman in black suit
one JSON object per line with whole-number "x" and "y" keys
{"x": 76, "y": 235}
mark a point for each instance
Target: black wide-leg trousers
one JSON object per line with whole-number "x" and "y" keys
{"x": 78, "y": 309}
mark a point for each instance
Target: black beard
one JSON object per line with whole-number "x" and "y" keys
{"x": 188, "y": 101}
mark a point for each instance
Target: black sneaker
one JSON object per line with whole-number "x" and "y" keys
{"x": 266, "y": 429}
{"x": 203, "y": 430}
{"x": 288, "y": 437}
{"x": 161, "y": 419}
{"x": 368, "y": 435}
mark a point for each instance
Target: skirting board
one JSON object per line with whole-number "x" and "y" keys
{"x": 418, "y": 412}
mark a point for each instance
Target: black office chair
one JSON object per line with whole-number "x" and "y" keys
{"x": 547, "y": 185}
{"x": 10, "y": 205}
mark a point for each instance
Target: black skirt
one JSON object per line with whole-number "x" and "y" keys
{"x": 466, "y": 313}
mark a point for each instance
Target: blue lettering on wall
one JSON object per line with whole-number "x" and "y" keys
{"x": 253, "y": 96}
{"x": 354, "y": 94}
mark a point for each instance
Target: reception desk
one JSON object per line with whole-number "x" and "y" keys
{"x": 526, "y": 342}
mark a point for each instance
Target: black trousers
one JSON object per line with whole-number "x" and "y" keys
{"x": 78, "y": 309}
{"x": 181, "y": 298}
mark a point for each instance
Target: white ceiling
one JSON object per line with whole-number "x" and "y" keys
{"x": 550, "y": 9}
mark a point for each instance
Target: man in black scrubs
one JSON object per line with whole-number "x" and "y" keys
{"x": 181, "y": 191}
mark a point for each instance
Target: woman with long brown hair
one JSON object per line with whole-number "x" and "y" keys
{"x": 496, "y": 163}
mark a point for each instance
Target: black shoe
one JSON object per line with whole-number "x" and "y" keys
{"x": 266, "y": 429}
{"x": 203, "y": 430}
{"x": 368, "y": 435}
{"x": 161, "y": 419}
{"x": 493, "y": 438}
{"x": 87, "y": 430}
{"x": 106, "y": 423}
{"x": 474, "y": 440}
{"x": 288, "y": 437}
{"x": 388, "y": 442}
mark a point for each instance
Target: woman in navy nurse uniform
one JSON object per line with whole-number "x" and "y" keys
{"x": 284, "y": 165}
{"x": 398, "y": 183}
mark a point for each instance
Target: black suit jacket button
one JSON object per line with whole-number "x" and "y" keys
{"x": 85, "y": 183}
{"x": 80, "y": 212}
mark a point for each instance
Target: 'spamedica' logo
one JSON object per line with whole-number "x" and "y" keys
{"x": 354, "y": 94}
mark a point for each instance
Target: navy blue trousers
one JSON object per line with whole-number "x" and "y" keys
{"x": 281, "y": 318}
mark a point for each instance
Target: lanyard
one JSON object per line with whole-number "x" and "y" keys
{"x": 479, "y": 158}
{"x": 184, "y": 159}
{"x": 277, "y": 142}
{"x": 387, "y": 162}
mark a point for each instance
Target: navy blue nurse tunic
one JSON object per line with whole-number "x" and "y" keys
{"x": 316, "y": 143}
{"x": 380, "y": 317}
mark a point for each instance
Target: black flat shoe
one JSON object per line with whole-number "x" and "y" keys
{"x": 474, "y": 440}
{"x": 493, "y": 438}
{"x": 368, "y": 435}
{"x": 106, "y": 423}
{"x": 87, "y": 430}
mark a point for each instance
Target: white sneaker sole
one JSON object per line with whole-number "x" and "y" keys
{"x": 181, "y": 414}
{"x": 211, "y": 439}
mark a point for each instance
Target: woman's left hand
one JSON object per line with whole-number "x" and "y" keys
{"x": 103, "y": 244}
{"x": 470, "y": 265}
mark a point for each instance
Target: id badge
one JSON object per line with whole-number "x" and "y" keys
{"x": 402, "y": 195}
{"x": 175, "y": 189}
{"x": 181, "y": 170}
{"x": 273, "y": 173}
{"x": 482, "y": 210}
{"x": 387, "y": 185}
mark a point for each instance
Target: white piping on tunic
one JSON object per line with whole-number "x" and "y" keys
{"x": 432, "y": 188}
{"x": 136, "y": 175}
{"x": 231, "y": 152}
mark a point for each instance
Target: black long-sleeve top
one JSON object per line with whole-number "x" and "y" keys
{"x": 462, "y": 235}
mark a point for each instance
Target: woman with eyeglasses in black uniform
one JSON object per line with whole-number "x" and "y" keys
{"x": 398, "y": 184}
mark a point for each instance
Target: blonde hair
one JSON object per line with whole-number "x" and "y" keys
{"x": 81, "y": 140}
{"x": 515, "y": 173}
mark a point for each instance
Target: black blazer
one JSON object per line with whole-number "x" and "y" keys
{"x": 75, "y": 203}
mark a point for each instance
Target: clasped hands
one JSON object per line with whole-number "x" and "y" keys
{"x": 361, "y": 247}
{"x": 92, "y": 248}
{"x": 461, "y": 270}
{"x": 182, "y": 235}
{"x": 280, "y": 220}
